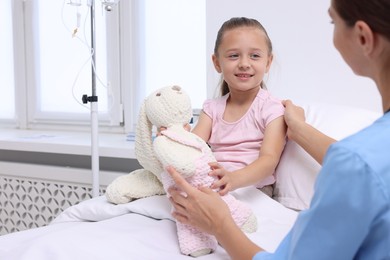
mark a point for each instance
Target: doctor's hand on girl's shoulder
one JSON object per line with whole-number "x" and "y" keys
{"x": 293, "y": 112}
{"x": 294, "y": 116}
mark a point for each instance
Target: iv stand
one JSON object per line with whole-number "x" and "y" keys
{"x": 94, "y": 111}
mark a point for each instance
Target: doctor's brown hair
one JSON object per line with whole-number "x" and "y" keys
{"x": 376, "y": 13}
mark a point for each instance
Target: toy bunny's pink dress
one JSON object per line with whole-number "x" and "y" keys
{"x": 191, "y": 240}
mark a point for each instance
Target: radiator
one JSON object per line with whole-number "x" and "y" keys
{"x": 36, "y": 199}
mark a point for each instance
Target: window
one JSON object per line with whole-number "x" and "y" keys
{"x": 139, "y": 46}
{"x": 61, "y": 61}
{"x": 168, "y": 47}
{"x": 175, "y": 46}
{"x": 66, "y": 44}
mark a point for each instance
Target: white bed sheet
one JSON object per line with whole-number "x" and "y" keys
{"x": 142, "y": 229}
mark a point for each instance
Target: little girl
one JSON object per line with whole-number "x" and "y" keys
{"x": 244, "y": 127}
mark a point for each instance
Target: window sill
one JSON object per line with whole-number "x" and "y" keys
{"x": 71, "y": 143}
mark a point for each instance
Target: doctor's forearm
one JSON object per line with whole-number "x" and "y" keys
{"x": 311, "y": 140}
{"x": 235, "y": 242}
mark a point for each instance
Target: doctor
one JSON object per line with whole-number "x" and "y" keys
{"x": 349, "y": 216}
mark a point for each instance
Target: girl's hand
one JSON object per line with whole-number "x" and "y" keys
{"x": 159, "y": 130}
{"x": 225, "y": 179}
{"x": 162, "y": 128}
{"x": 200, "y": 207}
{"x": 187, "y": 127}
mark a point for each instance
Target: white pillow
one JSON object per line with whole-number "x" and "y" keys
{"x": 297, "y": 170}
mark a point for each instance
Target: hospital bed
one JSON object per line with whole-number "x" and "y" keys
{"x": 144, "y": 228}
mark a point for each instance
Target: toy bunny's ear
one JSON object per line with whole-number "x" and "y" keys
{"x": 144, "y": 144}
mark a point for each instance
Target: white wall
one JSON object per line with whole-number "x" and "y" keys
{"x": 307, "y": 68}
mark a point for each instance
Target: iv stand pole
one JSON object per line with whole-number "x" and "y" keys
{"x": 94, "y": 111}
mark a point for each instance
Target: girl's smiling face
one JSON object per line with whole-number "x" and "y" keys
{"x": 243, "y": 58}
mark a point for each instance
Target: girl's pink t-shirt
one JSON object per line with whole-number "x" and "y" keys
{"x": 237, "y": 144}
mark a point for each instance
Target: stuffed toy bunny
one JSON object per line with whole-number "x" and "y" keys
{"x": 170, "y": 107}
